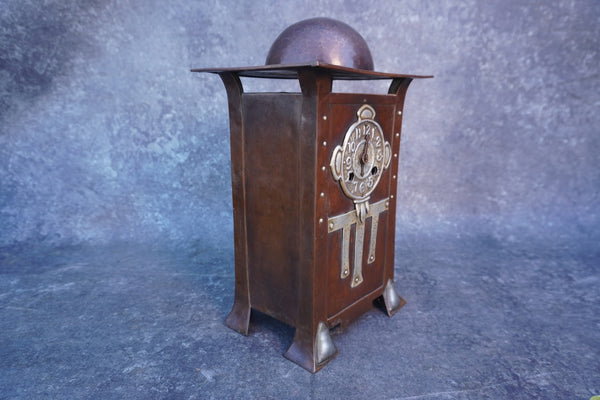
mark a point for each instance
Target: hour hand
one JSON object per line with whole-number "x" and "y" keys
{"x": 365, "y": 155}
{"x": 364, "y": 158}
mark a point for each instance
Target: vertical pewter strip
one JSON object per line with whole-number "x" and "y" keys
{"x": 373, "y": 240}
{"x": 376, "y": 209}
{"x": 343, "y": 222}
{"x": 345, "y": 252}
{"x": 357, "y": 277}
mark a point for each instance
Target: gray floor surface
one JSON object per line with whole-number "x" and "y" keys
{"x": 485, "y": 319}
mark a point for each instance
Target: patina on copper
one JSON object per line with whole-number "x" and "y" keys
{"x": 308, "y": 251}
{"x": 321, "y": 39}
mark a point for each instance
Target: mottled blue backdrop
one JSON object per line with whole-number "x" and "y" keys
{"x": 116, "y": 232}
{"x": 106, "y": 136}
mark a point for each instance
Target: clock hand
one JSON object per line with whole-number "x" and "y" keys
{"x": 364, "y": 159}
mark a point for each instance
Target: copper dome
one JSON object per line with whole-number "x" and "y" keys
{"x": 324, "y": 40}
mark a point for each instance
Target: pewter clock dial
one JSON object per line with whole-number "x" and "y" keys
{"x": 359, "y": 163}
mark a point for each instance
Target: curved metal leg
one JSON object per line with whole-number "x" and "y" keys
{"x": 314, "y": 352}
{"x": 391, "y": 300}
{"x": 239, "y": 318}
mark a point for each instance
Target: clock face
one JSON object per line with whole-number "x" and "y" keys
{"x": 359, "y": 163}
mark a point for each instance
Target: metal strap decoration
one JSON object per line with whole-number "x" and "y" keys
{"x": 345, "y": 222}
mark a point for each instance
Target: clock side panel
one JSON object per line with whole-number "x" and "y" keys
{"x": 366, "y": 240}
{"x": 271, "y": 123}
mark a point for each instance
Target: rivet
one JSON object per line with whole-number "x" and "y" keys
{"x": 391, "y": 196}
{"x": 324, "y": 117}
{"x": 393, "y": 176}
{"x": 399, "y": 112}
{"x": 397, "y": 134}
{"x": 322, "y": 194}
{"x": 387, "y": 204}
{"x": 323, "y": 168}
{"x": 371, "y": 258}
{"x": 320, "y": 220}
{"x": 331, "y": 225}
{"x": 345, "y": 272}
{"x": 356, "y": 279}
{"x": 324, "y": 143}
{"x": 395, "y": 155}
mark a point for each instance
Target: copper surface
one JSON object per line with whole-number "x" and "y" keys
{"x": 289, "y": 262}
{"x": 324, "y": 40}
{"x": 287, "y": 259}
{"x": 290, "y": 71}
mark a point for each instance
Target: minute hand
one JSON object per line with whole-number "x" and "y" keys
{"x": 364, "y": 159}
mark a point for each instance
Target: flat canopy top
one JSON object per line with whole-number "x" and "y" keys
{"x": 290, "y": 71}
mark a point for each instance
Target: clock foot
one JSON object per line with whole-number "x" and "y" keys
{"x": 391, "y": 300}
{"x": 314, "y": 351}
{"x": 239, "y": 318}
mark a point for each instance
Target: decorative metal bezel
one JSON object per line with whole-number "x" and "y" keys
{"x": 363, "y": 156}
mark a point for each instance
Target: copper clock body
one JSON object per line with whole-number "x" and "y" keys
{"x": 313, "y": 248}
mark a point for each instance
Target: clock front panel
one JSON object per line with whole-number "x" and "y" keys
{"x": 359, "y": 191}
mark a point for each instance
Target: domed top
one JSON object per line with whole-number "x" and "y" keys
{"x": 321, "y": 39}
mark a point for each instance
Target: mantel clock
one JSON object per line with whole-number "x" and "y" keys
{"x": 314, "y": 176}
